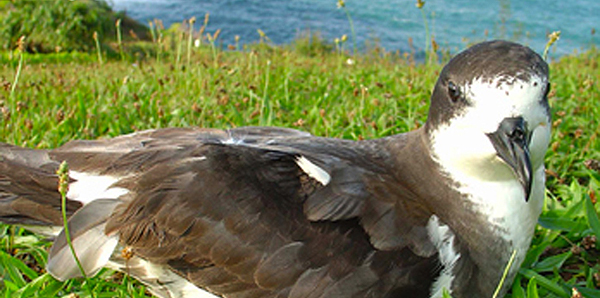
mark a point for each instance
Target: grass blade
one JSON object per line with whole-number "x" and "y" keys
{"x": 517, "y": 290}
{"x": 446, "y": 294}
{"x": 552, "y": 263}
{"x": 592, "y": 216}
{"x": 545, "y": 283}
{"x": 532, "y": 291}
{"x": 11, "y": 268}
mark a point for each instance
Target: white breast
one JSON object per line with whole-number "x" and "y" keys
{"x": 503, "y": 203}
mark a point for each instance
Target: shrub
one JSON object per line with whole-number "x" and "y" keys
{"x": 58, "y": 25}
{"x": 311, "y": 44}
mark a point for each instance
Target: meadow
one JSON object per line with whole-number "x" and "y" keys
{"x": 180, "y": 80}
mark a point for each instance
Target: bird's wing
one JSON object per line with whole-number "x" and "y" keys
{"x": 263, "y": 211}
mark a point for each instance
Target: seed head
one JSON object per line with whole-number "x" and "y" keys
{"x": 63, "y": 178}
{"x": 21, "y": 44}
{"x": 553, "y": 37}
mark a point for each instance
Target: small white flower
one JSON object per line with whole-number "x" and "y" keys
{"x": 350, "y": 61}
{"x": 197, "y": 42}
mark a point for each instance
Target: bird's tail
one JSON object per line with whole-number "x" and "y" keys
{"x": 29, "y": 188}
{"x": 29, "y": 197}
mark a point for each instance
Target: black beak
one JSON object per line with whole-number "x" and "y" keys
{"x": 511, "y": 144}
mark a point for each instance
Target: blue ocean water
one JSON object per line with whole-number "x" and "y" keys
{"x": 392, "y": 23}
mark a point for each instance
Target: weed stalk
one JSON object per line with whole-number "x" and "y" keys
{"x": 420, "y": 4}
{"x": 21, "y": 50}
{"x": 212, "y": 39}
{"x": 266, "y": 110}
{"x": 341, "y": 4}
{"x": 63, "y": 188}
{"x": 203, "y": 28}
{"x": 151, "y": 27}
{"x": 338, "y": 51}
{"x": 179, "y": 48}
{"x": 190, "y": 40}
{"x": 159, "y": 38}
{"x": 263, "y": 36}
{"x": 98, "y": 49}
{"x": 119, "y": 38}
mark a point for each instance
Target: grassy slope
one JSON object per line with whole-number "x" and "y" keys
{"x": 379, "y": 95}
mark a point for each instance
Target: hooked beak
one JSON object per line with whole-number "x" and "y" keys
{"x": 511, "y": 143}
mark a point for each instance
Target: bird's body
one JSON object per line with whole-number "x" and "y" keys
{"x": 273, "y": 212}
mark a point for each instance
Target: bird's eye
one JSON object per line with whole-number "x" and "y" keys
{"x": 453, "y": 92}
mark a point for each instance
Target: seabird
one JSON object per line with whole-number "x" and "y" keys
{"x": 275, "y": 212}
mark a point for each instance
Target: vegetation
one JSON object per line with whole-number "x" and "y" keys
{"x": 309, "y": 85}
{"x": 55, "y": 26}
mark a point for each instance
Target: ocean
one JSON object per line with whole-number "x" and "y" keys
{"x": 396, "y": 25}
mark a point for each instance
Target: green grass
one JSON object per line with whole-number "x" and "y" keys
{"x": 61, "y": 98}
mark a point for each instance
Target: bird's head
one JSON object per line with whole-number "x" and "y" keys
{"x": 489, "y": 116}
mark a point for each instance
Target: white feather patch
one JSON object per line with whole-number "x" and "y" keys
{"x": 194, "y": 159}
{"x": 313, "y": 170}
{"x": 89, "y": 187}
{"x": 231, "y": 140}
{"x": 443, "y": 240}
